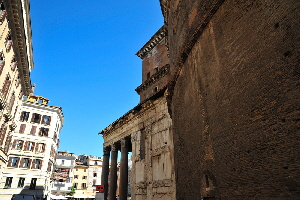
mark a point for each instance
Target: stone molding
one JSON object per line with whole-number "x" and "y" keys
{"x": 154, "y": 78}
{"x": 154, "y": 40}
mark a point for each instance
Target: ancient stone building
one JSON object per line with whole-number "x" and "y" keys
{"x": 146, "y": 131}
{"x": 234, "y": 98}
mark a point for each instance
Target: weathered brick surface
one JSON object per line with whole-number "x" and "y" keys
{"x": 235, "y": 106}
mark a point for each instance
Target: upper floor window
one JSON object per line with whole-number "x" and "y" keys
{"x": 44, "y": 131}
{"x": 32, "y": 183}
{"x": 36, "y": 118}
{"x": 29, "y": 146}
{"x": 37, "y": 164}
{"x": 46, "y": 120}
{"x": 8, "y": 42}
{"x": 6, "y": 85}
{"x": 13, "y": 162}
{"x": 24, "y": 116}
{"x": 148, "y": 75}
{"x": 25, "y": 163}
{"x": 22, "y": 128}
{"x": 41, "y": 147}
{"x": 18, "y": 144}
{"x": 83, "y": 177}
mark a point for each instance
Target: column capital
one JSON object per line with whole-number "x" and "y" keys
{"x": 124, "y": 142}
{"x": 106, "y": 151}
{"x": 114, "y": 146}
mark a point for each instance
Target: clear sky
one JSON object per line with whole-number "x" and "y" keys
{"x": 85, "y": 62}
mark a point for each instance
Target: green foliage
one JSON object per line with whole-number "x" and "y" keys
{"x": 72, "y": 191}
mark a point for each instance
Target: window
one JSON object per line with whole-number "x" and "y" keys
{"x": 40, "y": 101}
{"x": 95, "y": 174}
{"x": 21, "y": 182}
{"x": 83, "y": 177}
{"x": 96, "y": 163}
{"x": 84, "y": 170}
{"x": 13, "y": 162}
{"x": 46, "y": 120}
{"x": 36, "y": 118}
{"x": 156, "y": 69}
{"x": 24, "y": 116}
{"x": 94, "y": 182}
{"x": 37, "y": 164}
{"x": 33, "y": 130}
{"x": 2, "y": 62}
{"x": 148, "y": 75}
{"x": 29, "y": 146}
{"x": 44, "y": 132}
{"x": 18, "y": 144}
{"x": 32, "y": 184}
{"x": 83, "y": 185}
{"x": 62, "y": 162}
{"x": 22, "y": 128}
{"x": 8, "y": 182}
{"x": 26, "y": 163}
{"x": 76, "y": 176}
{"x": 75, "y": 185}
{"x": 41, "y": 147}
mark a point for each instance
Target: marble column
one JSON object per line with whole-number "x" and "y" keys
{"x": 105, "y": 170}
{"x": 124, "y": 170}
{"x": 113, "y": 172}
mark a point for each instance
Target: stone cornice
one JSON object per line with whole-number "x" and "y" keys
{"x": 19, "y": 24}
{"x": 137, "y": 110}
{"x": 154, "y": 78}
{"x": 154, "y": 40}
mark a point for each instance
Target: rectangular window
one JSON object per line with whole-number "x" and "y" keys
{"x": 29, "y": 146}
{"x": 37, "y": 164}
{"x": 26, "y": 162}
{"x": 44, "y": 132}
{"x": 32, "y": 184}
{"x": 40, "y": 147}
{"x": 18, "y": 144}
{"x": 24, "y": 116}
{"x": 21, "y": 182}
{"x": 14, "y": 162}
{"x": 94, "y": 182}
{"x": 76, "y": 176}
{"x": 36, "y": 118}
{"x": 83, "y": 185}
{"x": 75, "y": 185}
{"x": 148, "y": 75}
{"x": 46, "y": 120}
{"x": 95, "y": 174}
{"x": 62, "y": 162}
{"x": 8, "y": 182}
{"x": 33, "y": 130}
{"x": 83, "y": 177}
{"x": 22, "y": 128}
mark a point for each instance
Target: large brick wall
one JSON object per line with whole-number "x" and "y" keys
{"x": 235, "y": 103}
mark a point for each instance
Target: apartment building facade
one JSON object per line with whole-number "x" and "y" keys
{"x": 63, "y": 174}
{"x": 16, "y": 63}
{"x": 32, "y": 149}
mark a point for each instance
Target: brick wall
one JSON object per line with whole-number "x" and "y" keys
{"x": 235, "y": 104}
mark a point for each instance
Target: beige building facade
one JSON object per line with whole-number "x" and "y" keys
{"x": 32, "y": 149}
{"x": 16, "y": 62}
{"x": 146, "y": 131}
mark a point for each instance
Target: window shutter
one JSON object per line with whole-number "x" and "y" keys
{"x": 32, "y": 147}
{"x": 41, "y": 163}
{"x": 21, "y": 144}
{"x": 9, "y": 162}
{"x": 22, "y": 116}
{"x": 36, "y": 147}
{"x": 33, "y": 130}
{"x": 22, "y": 162}
{"x": 33, "y": 163}
{"x": 26, "y": 145}
{"x": 14, "y": 144}
{"x": 32, "y": 117}
{"x": 39, "y": 119}
{"x": 43, "y": 119}
{"x": 44, "y": 148}
{"x": 22, "y": 128}
{"x": 49, "y": 120}
{"x": 17, "y": 164}
{"x": 29, "y": 162}
{"x": 40, "y": 132}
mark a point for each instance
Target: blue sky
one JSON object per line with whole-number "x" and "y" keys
{"x": 85, "y": 62}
